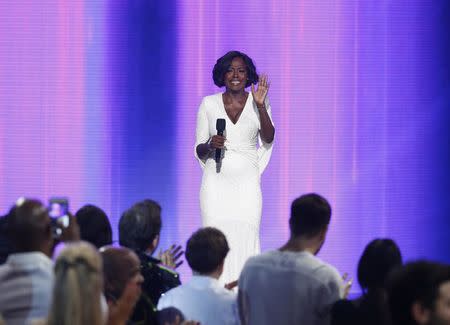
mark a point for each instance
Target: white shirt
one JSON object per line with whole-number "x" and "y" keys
{"x": 26, "y": 285}
{"x": 288, "y": 288}
{"x": 202, "y": 299}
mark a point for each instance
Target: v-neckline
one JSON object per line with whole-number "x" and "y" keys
{"x": 226, "y": 112}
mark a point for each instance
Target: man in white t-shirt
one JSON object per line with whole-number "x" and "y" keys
{"x": 203, "y": 298}
{"x": 291, "y": 285}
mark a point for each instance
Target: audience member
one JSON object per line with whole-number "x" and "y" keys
{"x": 77, "y": 294}
{"x": 94, "y": 225}
{"x": 170, "y": 315}
{"x": 177, "y": 319}
{"x": 419, "y": 294}
{"x": 291, "y": 285}
{"x": 139, "y": 230}
{"x": 170, "y": 257}
{"x": 203, "y": 298}
{"x": 26, "y": 279}
{"x": 122, "y": 282}
{"x": 379, "y": 258}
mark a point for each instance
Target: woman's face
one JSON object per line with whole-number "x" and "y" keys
{"x": 236, "y": 76}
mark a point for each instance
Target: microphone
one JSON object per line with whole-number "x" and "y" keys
{"x": 220, "y": 127}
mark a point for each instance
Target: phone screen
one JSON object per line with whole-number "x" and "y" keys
{"x": 58, "y": 207}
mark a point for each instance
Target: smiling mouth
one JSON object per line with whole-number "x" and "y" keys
{"x": 235, "y": 82}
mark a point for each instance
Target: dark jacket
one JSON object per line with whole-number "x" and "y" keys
{"x": 157, "y": 280}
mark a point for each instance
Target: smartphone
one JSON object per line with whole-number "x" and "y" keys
{"x": 58, "y": 208}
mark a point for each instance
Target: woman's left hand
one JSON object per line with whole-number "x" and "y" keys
{"x": 259, "y": 95}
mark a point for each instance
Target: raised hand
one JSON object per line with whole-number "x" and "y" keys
{"x": 347, "y": 285}
{"x": 231, "y": 285}
{"x": 259, "y": 95}
{"x": 72, "y": 231}
{"x": 171, "y": 256}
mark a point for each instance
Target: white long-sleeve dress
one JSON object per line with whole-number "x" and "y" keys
{"x": 230, "y": 198}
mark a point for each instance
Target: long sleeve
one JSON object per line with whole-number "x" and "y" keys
{"x": 265, "y": 149}
{"x": 202, "y": 130}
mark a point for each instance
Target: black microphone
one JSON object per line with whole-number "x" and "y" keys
{"x": 220, "y": 127}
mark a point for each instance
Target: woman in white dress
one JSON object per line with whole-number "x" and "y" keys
{"x": 230, "y": 194}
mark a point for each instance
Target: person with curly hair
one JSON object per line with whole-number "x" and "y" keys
{"x": 230, "y": 194}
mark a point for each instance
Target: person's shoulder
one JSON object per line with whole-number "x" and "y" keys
{"x": 215, "y": 96}
{"x": 172, "y": 292}
{"x": 220, "y": 296}
{"x": 152, "y": 267}
{"x": 174, "y": 296}
{"x": 326, "y": 272}
{"x": 148, "y": 263}
{"x": 225, "y": 294}
{"x": 260, "y": 261}
{"x": 329, "y": 269}
{"x": 260, "y": 258}
{"x": 213, "y": 99}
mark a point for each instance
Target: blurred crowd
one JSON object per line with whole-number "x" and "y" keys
{"x": 55, "y": 272}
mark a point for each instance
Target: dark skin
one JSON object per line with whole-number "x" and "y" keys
{"x": 234, "y": 99}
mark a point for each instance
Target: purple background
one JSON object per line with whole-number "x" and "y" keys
{"x": 98, "y": 103}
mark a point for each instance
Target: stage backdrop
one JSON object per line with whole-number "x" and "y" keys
{"x": 99, "y": 99}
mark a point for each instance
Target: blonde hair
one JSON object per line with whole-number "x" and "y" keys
{"x": 78, "y": 287}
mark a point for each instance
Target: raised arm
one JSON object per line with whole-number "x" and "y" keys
{"x": 267, "y": 130}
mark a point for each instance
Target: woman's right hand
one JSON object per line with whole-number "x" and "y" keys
{"x": 205, "y": 149}
{"x": 217, "y": 142}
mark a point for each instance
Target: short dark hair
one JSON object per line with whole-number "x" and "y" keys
{"x": 206, "y": 249}
{"x": 379, "y": 258}
{"x": 310, "y": 213}
{"x": 224, "y": 62}
{"x": 29, "y": 225}
{"x": 94, "y": 225}
{"x": 139, "y": 225}
{"x": 169, "y": 315}
{"x": 415, "y": 282}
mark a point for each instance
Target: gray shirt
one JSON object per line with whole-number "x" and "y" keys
{"x": 288, "y": 288}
